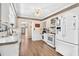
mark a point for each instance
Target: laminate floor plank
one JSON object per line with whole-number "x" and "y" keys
{"x": 36, "y": 48}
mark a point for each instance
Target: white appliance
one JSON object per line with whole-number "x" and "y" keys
{"x": 67, "y": 41}
{"x": 51, "y": 40}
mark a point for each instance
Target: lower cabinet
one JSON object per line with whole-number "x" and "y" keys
{"x": 36, "y": 36}
{"x": 66, "y": 49}
{"x": 45, "y": 37}
{"x": 9, "y": 50}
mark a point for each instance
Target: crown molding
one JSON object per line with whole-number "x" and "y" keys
{"x": 28, "y": 18}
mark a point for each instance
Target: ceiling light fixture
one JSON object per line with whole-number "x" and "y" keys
{"x": 38, "y": 12}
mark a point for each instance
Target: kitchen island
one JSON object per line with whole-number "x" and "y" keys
{"x": 9, "y": 46}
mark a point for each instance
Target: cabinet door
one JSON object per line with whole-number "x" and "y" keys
{"x": 45, "y": 37}
{"x": 10, "y": 50}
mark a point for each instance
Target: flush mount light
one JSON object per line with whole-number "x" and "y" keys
{"x": 38, "y": 12}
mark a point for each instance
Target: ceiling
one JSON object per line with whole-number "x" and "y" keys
{"x": 29, "y": 9}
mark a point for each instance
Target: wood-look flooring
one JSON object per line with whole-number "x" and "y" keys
{"x": 36, "y": 48}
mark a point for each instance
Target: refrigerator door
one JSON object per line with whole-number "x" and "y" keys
{"x": 69, "y": 29}
{"x": 66, "y": 49}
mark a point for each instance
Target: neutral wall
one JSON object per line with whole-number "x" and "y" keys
{"x": 4, "y": 12}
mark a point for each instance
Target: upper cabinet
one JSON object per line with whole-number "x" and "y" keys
{"x": 44, "y": 24}
{"x": 52, "y": 22}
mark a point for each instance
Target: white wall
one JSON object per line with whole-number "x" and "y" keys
{"x": 4, "y": 12}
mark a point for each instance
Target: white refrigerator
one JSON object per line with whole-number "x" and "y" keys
{"x": 67, "y": 39}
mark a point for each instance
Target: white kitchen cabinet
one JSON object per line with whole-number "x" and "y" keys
{"x": 66, "y": 49}
{"x": 45, "y": 37}
{"x": 10, "y": 50}
{"x": 36, "y": 36}
{"x": 12, "y": 46}
{"x": 9, "y": 46}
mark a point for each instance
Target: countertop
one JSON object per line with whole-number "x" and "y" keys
{"x": 8, "y": 40}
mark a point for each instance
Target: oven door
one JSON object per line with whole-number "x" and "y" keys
{"x": 51, "y": 40}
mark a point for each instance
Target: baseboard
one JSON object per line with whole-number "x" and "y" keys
{"x": 36, "y": 39}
